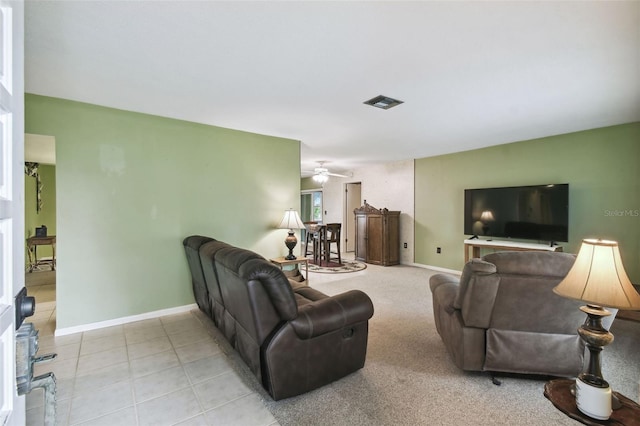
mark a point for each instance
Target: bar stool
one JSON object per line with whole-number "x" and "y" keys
{"x": 332, "y": 235}
{"x": 311, "y": 230}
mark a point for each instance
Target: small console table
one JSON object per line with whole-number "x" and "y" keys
{"x": 282, "y": 261}
{"x": 32, "y": 246}
{"x": 476, "y": 244}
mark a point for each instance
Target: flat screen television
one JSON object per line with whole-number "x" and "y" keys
{"x": 536, "y": 212}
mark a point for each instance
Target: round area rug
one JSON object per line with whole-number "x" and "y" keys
{"x": 337, "y": 268}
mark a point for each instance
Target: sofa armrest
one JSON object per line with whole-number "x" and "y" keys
{"x": 332, "y": 313}
{"x": 479, "y": 299}
{"x": 438, "y": 280}
{"x": 444, "y": 289}
{"x": 474, "y": 267}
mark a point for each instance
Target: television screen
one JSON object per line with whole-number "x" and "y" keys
{"x": 537, "y": 212}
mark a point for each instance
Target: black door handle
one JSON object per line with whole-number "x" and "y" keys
{"x": 25, "y": 306}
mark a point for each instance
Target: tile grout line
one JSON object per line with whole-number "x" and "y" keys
{"x": 191, "y": 384}
{"x": 194, "y": 384}
{"x": 136, "y": 402}
{"x": 132, "y": 380}
{"x": 232, "y": 371}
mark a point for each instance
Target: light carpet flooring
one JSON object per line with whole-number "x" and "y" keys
{"x": 409, "y": 378}
{"x": 179, "y": 370}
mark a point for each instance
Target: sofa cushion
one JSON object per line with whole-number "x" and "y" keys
{"x": 528, "y": 303}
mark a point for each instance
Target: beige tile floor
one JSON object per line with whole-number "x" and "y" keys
{"x": 164, "y": 371}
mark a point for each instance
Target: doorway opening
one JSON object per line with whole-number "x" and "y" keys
{"x": 40, "y": 227}
{"x": 352, "y": 200}
{"x": 311, "y": 206}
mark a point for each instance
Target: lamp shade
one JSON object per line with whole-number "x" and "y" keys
{"x": 486, "y": 216}
{"x": 291, "y": 220}
{"x": 598, "y": 277}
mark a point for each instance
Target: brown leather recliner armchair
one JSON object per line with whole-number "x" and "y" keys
{"x": 502, "y": 315}
{"x": 292, "y": 337}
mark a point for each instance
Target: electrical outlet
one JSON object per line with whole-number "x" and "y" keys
{"x": 438, "y": 250}
{"x": 405, "y": 245}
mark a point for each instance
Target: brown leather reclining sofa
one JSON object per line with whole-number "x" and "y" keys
{"x": 292, "y": 337}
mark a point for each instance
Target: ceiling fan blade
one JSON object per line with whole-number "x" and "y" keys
{"x": 323, "y": 171}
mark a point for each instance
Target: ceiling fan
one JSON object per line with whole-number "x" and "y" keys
{"x": 321, "y": 174}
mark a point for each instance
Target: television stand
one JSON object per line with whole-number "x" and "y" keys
{"x": 476, "y": 244}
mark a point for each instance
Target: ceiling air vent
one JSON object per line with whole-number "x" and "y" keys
{"x": 383, "y": 102}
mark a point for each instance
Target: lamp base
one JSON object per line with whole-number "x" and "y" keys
{"x": 593, "y": 396}
{"x": 291, "y": 242}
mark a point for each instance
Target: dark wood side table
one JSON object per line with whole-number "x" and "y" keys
{"x": 559, "y": 393}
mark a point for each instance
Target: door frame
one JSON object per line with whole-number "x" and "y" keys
{"x": 12, "y": 406}
{"x": 352, "y": 200}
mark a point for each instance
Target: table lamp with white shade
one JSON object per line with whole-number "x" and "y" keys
{"x": 291, "y": 221}
{"x": 599, "y": 279}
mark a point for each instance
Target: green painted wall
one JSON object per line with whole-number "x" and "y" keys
{"x": 308, "y": 183}
{"x": 47, "y": 215}
{"x": 600, "y": 165}
{"x": 130, "y": 187}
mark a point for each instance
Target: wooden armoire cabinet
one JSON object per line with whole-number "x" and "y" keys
{"x": 377, "y": 235}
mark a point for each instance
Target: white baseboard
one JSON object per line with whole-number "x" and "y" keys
{"x": 124, "y": 320}
{"x": 437, "y": 268}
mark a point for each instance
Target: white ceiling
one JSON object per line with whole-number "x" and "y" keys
{"x": 471, "y": 74}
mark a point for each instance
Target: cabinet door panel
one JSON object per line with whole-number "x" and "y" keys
{"x": 374, "y": 239}
{"x": 393, "y": 241}
{"x": 361, "y": 238}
